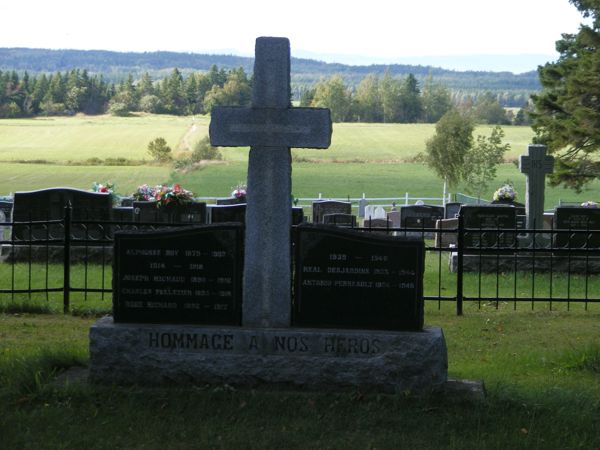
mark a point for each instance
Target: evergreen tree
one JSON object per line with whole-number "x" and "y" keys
{"x": 410, "y": 104}
{"x": 567, "y": 110}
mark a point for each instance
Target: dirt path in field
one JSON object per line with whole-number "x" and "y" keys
{"x": 185, "y": 143}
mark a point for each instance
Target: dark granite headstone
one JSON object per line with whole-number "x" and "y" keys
{"x": 322, "y": 207}
{"x": 492, "y": 225}
{"x": 297, "y": 215}
{"x": 420, "y": 216}
{"x": 231, "y": 200}
{"x": 188, "y": 275}
{"x": 126, "y": 202}
{"x": 577, "y": 219}
{"x": 451, "y": 210}
{"x": 351, "y": 279}
{"x": 148, "y": 212}
{"x": 227, "y": 213}
{"x": 341, "y": 220}
{"x": 49, "y": 204}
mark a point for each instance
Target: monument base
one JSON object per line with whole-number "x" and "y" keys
{"x": 319, "y": 359}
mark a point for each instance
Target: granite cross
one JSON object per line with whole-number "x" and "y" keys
{"x": 536, "y": 164}
{"x": 270, "y": 127}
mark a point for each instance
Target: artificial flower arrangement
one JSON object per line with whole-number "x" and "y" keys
{"x": 239, "y": 191}
{"x": 589, "y": 204}
{"x": 505, "y": 193}
{"x": 106, "y": 188}
{"x": 145, "y": 193}
{"x": 169, "y": 196}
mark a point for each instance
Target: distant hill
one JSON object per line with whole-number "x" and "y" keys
{"x": 305, "y": 72}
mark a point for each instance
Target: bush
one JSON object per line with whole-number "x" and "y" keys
{"x": 159, "y": 150}
{"x": 118, "y": 109}
{"x": 204, "y": 151}
{"x": 150, "y": 104}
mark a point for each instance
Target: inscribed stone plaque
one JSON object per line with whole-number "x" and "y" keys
{"x": 580, "y": 221}
{"x": 189, "y": 275}
{"x": 352, "y": 279}
{"x": 491, "y": 226}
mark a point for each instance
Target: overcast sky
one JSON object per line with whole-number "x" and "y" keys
{"x": 378, "y": 29}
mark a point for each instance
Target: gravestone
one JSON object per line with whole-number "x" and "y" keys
{"x": 49, "y": 204}
{"x": 451, "y": 210}
{"x": 227, "y": 213}
{"x": 187, "y": 275}
{"x": 6, "y": 207}
{"x": 421, "y": 217}
{"x": 322, "y": 207}
{"x": 578, "y": 221}
{"x": 535, "y": 165}
{"x": 491, "y": 226}
{"x": 297, "y": 215}
{"x": 352, "y": 279}
{"x": 266, "y": 350}
{"x": 270, "y": 127}
{"x": 230, "y": 201}
{"x": 379, "y": 224}
{"x": 362, "y": 204}
{"x": 394, "y": 217}
{"x": 443, "y": 237}
{"x": 149, "y": 213}
{"x": 340, "y": 220}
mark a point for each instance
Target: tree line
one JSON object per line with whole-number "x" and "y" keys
{"x": 392, "y": 99}
{"x": 76, "y": 91}
{"x": 388, "y": 99}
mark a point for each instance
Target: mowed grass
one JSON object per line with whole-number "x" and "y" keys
{"x": 78, "y": 138}
{"x": 540, "y": 370}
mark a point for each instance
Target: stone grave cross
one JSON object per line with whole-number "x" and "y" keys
{"x": 535, "y": 165}
{"x": 270, "y": 127}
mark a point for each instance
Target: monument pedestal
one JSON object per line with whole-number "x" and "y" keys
{"x": 320, "y": 359}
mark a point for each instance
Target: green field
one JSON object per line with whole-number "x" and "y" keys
{"x": 62, "y": 139}
{"x": 364, "y": 158}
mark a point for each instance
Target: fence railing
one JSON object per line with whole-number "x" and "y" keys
{"x": 482, "y": 265}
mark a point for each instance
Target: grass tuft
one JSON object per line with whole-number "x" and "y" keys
{"x": 29, "y": 374}
{"x": 13, "y": 307}
{"x": 587, "y": 359}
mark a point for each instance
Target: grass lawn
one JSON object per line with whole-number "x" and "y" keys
{"x": 541, "y": 370}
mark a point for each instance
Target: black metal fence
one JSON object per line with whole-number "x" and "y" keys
{"x": 483, "y": 265}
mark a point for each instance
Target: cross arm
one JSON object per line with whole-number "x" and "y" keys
{"x": 270, "y": 127}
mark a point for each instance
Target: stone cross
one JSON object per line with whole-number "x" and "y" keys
{"x": 536, "y": 164}
{"x": 270, "y": 127}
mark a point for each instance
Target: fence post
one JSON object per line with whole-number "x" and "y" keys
{"x": 459, "y": 265}
{"x": 67, "y": 260}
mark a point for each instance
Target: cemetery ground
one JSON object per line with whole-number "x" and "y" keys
{"x": 540, "y": 370}
{"x": 540, "y": 366}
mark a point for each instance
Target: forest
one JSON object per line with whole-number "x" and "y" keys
{"x": 389, "y": 99}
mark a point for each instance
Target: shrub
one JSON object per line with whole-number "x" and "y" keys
{"x": 204, "y": 151}
{"x": 159, "y": 150}
{"x": 118, "y": 109}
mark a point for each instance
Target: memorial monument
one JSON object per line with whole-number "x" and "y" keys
{"x": 268, "y": 347}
